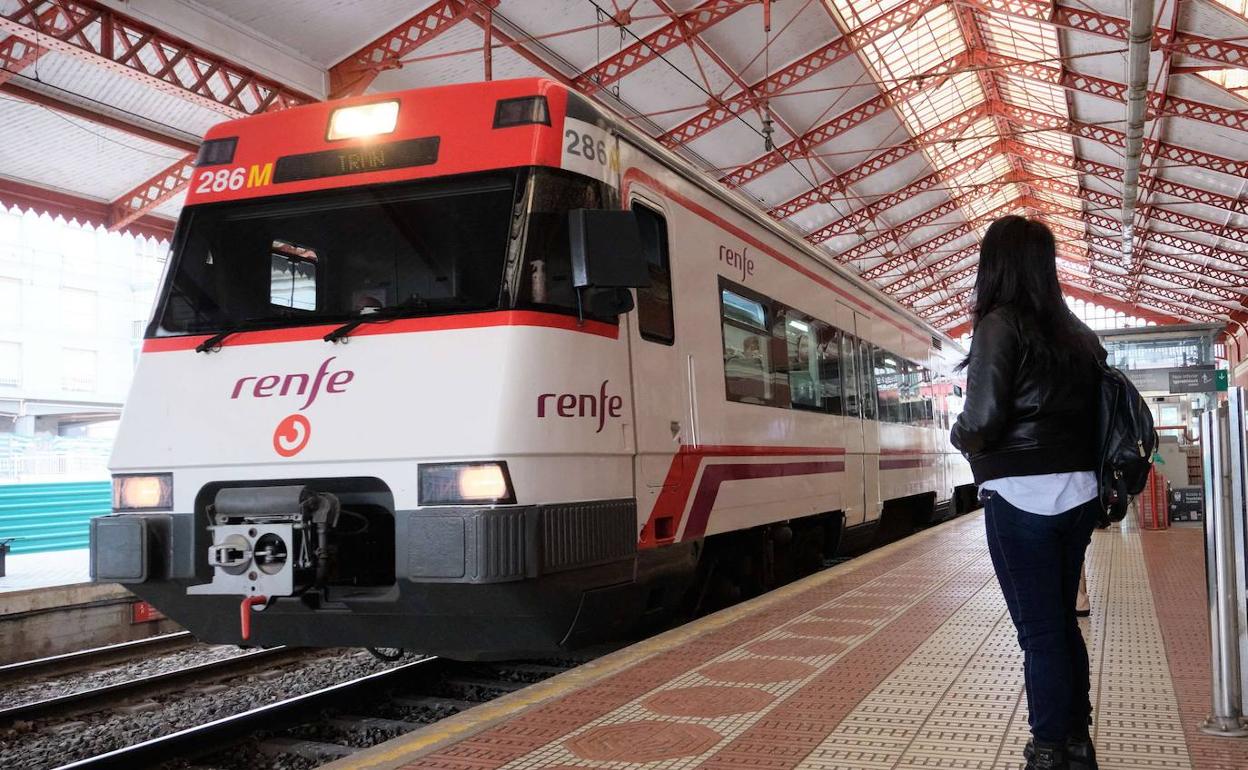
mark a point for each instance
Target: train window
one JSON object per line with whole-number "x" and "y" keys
{"x": 546, "y": 282}
{"x": 654, "y": 304}
{"x": 866, "y": 386}
{"x": 801, "y": 334}
{"x": 889, "y": 373}
{"x": 849, "y": 375}
{"x": 829, "y": 340}
{"x": 747, "y": 349}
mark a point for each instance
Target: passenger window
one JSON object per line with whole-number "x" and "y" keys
{"x": 829, "y": 339}
{"x": 654, "y": 304}
{"x": 292, "y": 276}
{"x": 801, "y": 333}
{"x": 849, "y": 375}
{"x": 888, "y": 386}
{"x": 747, "y": 349}
{"x": 866, "y": 387}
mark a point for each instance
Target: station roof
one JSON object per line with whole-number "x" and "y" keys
{"x": 887, "y": 132}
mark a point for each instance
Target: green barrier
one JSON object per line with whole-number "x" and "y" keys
{"x": 51, "y": 517}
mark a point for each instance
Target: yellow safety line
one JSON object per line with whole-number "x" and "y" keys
{"x": 410, "y": 746}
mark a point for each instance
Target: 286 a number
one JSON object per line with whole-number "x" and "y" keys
{"x": 585, "y": 146}
{"x": 222, "y": 180}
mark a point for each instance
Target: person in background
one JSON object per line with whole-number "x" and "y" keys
{"x": 1027, "y": 428}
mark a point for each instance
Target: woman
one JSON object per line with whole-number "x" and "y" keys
{"x": 1027, "y": 430}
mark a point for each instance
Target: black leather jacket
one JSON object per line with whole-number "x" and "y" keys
{"x": 1021, "y": 419}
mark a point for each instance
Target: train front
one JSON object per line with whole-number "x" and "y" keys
{"x": 384, "y": 400}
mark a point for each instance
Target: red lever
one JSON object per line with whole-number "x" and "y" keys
{"x": 244, "y": 617}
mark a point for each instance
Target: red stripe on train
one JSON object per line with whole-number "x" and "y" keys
{"x": 397, "y": 326}
{"x": 715, "y": 475}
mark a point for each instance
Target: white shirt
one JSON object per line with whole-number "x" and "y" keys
{"x": 1046, "y": 494}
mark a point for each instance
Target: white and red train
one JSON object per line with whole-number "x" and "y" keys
{"x": 478, "y": 371}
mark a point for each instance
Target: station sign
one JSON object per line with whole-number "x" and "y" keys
{"x": 1196, "y": 380}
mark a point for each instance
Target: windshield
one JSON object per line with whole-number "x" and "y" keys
{"x": 433, "y": 247}
{"x": 422, "y": 248}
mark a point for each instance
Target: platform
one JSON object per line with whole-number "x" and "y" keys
{"x": 48, "y": 606}
{"x": 904, "y": 658}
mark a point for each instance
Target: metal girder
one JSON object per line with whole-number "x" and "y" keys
{"x": 1169, "y": 107}
{"x": 972, "y": 35}
{"x": 946, "y": 131}
{"x": 17, "y": 53}
{"x": 99, "y": 115}
{"x": 145, "y": 197}
{"x": 98, "y": 35}
{"x": 355, "y": 73}
{"x": 908, "y": 280}
{"x": 71, "y": 207}
{"x": 683, "y": 26}
{"x": 723, "y": 110}
{"x": 850, "y": 119}
{"x": 1227, "y": 52}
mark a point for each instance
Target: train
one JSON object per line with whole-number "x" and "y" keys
{"x": 483, "y": 372}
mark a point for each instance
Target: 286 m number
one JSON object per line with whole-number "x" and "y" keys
{"x": 234, "y": 179}
{"x": 585, "y": 146}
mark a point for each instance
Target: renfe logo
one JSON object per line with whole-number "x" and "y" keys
{"x": 292, "y": 435}
{"x": 737, "y": 260}
{"x": 583, "y": 405}
{"x": 266, "y": 386}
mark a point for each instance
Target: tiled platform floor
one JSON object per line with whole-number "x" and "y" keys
{"x": 24, "y": 571}
{"x": 905, "y": 658}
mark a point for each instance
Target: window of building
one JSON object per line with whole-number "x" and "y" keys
{"x": 79, "y": 310}
{"x": 78, "y": 370}
{"x": 10, "y": 302}
{"x": 10, "y": 364}
{"x": 654, "y": 303}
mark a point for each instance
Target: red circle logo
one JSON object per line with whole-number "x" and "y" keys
{"x": 292, "y": 435}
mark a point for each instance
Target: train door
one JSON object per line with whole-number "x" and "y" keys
{"x": 870, "y": 424}
{"x": 661, "y": 376}
{"x": 854, "y": 500}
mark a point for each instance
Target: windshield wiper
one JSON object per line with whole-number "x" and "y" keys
{"x": 388, "y": 313}
{"x": 214, "y": 342}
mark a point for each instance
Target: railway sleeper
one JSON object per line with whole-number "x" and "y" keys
{"x": 315, "y": 750}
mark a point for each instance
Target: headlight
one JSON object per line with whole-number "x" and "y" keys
{"x": 462, "y": 483}
{"x": 363, "y": 120}
{"x": 143, "y": 492}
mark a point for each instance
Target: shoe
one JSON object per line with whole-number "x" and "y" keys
{"x": 1041, "y": 755}
{"x": 1080, "y": 753}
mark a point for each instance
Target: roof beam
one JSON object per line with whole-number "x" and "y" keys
{"x": 684, "y": 26}
{"x": 786, "y": 77}
{"x": 356, "y": 72}
{"x": 98, "y": 115}
{"x": 74, "y": 207}
{"x": 145, "y": 197}
{"x": 94, "y": 33}
{"x": 850, "y": 119}
{"x": 949, "y": 130}
{"x": 1059, "y": 14}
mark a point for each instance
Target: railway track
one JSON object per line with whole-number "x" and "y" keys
{"x": 81, "y": 660}
{"x": 129, "y": 690}
{"x": 335, "y": 721}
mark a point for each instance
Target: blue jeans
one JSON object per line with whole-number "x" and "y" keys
{"x": 1038, "y": 560}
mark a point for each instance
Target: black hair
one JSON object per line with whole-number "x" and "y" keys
{"x": 1018, "y": 269}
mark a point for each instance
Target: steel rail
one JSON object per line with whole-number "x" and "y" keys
{"x": 84, "y": 700}
{"x": 95, "y": 656}
{"x": 213, "y": 736}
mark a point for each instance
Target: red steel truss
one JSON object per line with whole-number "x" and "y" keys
{"x": 89, "y": 31}
{"x": 73, "y": 207}
{"x": 723, "y": 110}
{"x": 684, "y": 27}
{"x": 355, "y": 73}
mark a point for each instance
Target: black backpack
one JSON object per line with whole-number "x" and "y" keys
{"x": 1128, "y": 441}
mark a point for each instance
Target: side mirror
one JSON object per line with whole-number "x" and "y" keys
{"x": 607, "y": 252}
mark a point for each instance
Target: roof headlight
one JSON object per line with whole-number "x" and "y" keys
{"x": 363, "y": 120}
